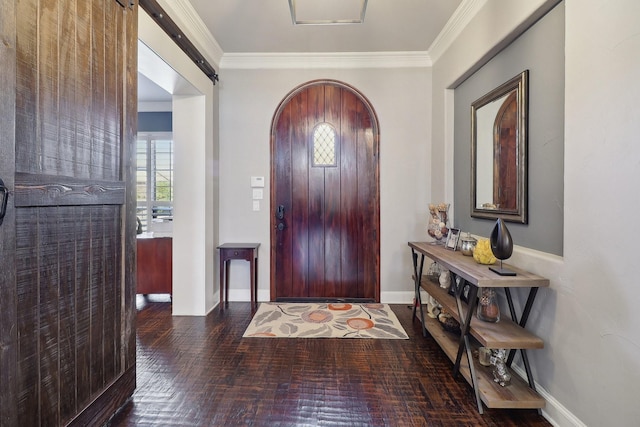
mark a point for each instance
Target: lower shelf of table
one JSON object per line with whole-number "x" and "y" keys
{"x": 517, "y": 395}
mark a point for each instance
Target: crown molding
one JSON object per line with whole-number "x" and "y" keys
{"x": 305, "y": 60}
{"x": 458, "y": 21}
{"x": 183, "y": 13}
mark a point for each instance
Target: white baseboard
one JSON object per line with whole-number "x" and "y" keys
{"x": 554, "y": 412}
{"x": 404, "y": 297}
{"x": 396, "y": 297}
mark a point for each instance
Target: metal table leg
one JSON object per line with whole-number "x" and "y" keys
{"x": 465, "y": 323}
{"x": 417, "y": 274}
{"x": 522, "y": 322}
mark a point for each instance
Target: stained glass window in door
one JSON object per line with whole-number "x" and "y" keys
{"x": 324, "y": 145}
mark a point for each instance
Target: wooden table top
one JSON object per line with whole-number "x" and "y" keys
{"x": 239, "y": 246}
{"x": 477, "y": 274}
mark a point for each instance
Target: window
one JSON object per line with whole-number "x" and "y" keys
{"x": 154, "y": 178}
{"x": 324, "y": 145}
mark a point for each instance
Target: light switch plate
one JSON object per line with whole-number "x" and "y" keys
{"x": 258, "y": 194}
{"x": 257, "y": 181}
{"x": 256, "y": 205}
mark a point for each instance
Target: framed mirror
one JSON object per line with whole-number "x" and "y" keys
{"x": 499, "y": 152}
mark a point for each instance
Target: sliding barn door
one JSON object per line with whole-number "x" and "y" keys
{"x": 67, "y": 295}
{"x": 325, "y": 219}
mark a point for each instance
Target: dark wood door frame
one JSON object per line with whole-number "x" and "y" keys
{"x": 293, "y": 122}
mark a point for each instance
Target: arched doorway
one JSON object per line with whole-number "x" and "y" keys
{"x": 325, "y": 195}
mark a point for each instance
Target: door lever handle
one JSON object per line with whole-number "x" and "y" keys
{"x": 4, "y": 197}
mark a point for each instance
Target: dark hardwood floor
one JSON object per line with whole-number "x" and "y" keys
{"x": 199, "y": 371}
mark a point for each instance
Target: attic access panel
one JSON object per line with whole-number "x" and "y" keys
{"x": 327, "y": 12}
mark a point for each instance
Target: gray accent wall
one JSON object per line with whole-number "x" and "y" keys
{"x": 155, "y": 121}
{"x": 541, "y": 51}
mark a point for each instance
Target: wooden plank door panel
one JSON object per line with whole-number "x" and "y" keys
{"x": 350, "y": 252}
{"x": 297, "y": 220}
{"x": 368, "y": 201}
{"x": 8, "y": 255}
{"x": 315, "y": 205}
{"x": 68, "y": 307}
{"x": 284, "y": 242}
{"x": 332, "y": 287}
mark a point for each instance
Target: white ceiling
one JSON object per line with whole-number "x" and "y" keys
{"x": 266, "y": 26}
{"x": 148, "y": 91}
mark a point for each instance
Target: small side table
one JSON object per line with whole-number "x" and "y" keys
{"x": 245, "y": 251}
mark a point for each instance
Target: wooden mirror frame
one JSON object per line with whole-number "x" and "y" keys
{"x": 498, "y": 121}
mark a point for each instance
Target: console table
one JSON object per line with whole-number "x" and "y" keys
{"x": 507, "y": 334}
{"x": 245, "y": 251}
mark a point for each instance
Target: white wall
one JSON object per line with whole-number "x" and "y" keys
{"x": 195, "y": 180}
{"x": 248, "y": 100}
{"x": 589, "y": 370}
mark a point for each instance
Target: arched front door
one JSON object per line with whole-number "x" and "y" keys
{"x": 325, "y": 195}
{"x": 505, "y": 165}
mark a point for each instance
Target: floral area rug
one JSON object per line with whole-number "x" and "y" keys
{"x": 325, "y": 320}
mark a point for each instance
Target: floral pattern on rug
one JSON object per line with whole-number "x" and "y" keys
{"x": 325, "y": 320}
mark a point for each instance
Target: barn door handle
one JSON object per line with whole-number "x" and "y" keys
{"x": 4, "y": 197}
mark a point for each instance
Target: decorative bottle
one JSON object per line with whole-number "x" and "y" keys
{"x": 501, "y": 374}
{"x": 438, "y": 227}
{"x": 488, "y": 309}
